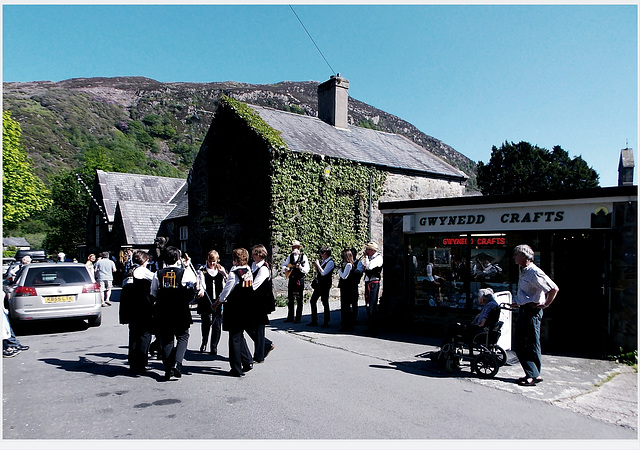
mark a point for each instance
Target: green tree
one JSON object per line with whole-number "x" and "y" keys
{"x": 67, "y": 216}
{"x": 23, "y": 194}
{"x": 523, "y": 168}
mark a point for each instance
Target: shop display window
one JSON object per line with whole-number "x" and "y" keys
{"x": 449, "y": 271}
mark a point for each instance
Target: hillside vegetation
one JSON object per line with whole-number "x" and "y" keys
{"x": 139, "y": 125}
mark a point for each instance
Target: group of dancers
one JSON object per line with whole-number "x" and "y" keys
{"x": 237, "y": 301}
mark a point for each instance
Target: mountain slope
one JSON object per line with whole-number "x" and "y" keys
{"x": 166, "y": 122}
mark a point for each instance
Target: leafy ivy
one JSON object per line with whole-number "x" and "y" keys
{"x": 314, "y": 199}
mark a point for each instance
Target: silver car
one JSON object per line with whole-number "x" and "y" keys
{"x": 55, "y": 291}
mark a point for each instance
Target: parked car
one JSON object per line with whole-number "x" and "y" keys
{"x": 36, "y": 255}
{"x": 44, "y": 291}
{"x": 6, "y": 263}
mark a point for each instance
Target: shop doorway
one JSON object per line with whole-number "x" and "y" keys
{"x": 577, "y": 322}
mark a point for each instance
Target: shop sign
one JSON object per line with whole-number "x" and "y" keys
{"x": 479, "y": 240}
{"x": 509, "y": 218}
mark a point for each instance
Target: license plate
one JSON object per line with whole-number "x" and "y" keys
{"x": 60, "y": 299}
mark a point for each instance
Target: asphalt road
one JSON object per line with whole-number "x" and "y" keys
{"x": 74, "y": 384}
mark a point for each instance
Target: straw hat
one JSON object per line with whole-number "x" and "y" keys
{"x": 371, "y": 245}
{"x": 295, "y": 243}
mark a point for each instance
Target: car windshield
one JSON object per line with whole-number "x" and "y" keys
{"x": 56, "y": 276}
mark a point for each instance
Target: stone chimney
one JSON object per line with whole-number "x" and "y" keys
{"x": 625, "y": 167}
{"x": 333, "y": 101}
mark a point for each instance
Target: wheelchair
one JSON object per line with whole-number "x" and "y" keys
{"x": 483, "y": 352}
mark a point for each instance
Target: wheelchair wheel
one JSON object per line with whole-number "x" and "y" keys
{"x": 500, "y": 354}
{"x": 485, "y": 365}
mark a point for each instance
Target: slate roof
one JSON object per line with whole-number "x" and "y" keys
{"x": 145, "y": 189}
{"x": 15, "y": 242}
{"x": 181, "y": 200}
{"x": 626, "y": 158}
{"x": 142, "y": 220}
{"x": 389, "y": 151}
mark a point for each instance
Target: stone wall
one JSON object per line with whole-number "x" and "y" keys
{"x": 624, "y": 279}
{"x": 405, "y": 187}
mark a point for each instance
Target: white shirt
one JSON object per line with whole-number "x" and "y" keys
{"x": 533, "y": 285}
{"x": 213, "y": 272}
{"x": 232, "y": 281}
{"x": 261, "y": 276}
{"x": 371, "y": 262}
{"x": 142, "y": 273}
{"x": 328, "y": 267}
{"x": 304, "y": 264}
{"x": 347, "y": 270}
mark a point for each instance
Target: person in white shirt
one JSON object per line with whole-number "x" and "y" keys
{"x": 140, "y": 307}
{"x": 348, "y": 284}
{"x": 295, "y": 267}
{"x": 263, "y": 295}
{"x": 212, "y": 277}
{"x": 322, "y": 286}
{"x": 173, "y": 289}
{"x": 236, "y": 298}
{"x": 536, "y": 291}
{"x": 372, "y": 273}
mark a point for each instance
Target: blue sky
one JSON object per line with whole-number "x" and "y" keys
{"x": 473, "y": 76}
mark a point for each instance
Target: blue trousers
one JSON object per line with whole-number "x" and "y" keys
{"x": 527, "y": 340}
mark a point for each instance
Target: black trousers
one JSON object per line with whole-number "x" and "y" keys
{"x": 348, "y": 308}
{"x": 173, "y": 354}
{"x": 239, "y": 354}
{"x": 211, "y": 323}
{"x": 139, "y": 342}
{"x": 323, "y": 294}
{"x": 260, "y": 341}
{"x": 295, "y": 294}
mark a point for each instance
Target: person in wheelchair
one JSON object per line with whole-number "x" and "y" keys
{"x": 488, "y": 317}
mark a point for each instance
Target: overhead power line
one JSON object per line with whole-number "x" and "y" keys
{"x": 314, "y": 42}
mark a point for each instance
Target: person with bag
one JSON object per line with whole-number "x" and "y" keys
{"x": 295, "y": 267}
{"x": 135, "y": 299}
{"x": 212, "y": 277}
{"x": 237, "y": 298}
{"x": 322, "y": 286}
{"x": 172, "y": 287}
{"x": 263, "y": 304}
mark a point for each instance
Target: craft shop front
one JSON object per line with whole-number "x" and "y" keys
{"x": 439, "y": 253}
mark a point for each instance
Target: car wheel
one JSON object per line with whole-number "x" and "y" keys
{"x": 95, "y": 321}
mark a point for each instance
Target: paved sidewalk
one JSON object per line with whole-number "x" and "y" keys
{"x": 604, "y": 390}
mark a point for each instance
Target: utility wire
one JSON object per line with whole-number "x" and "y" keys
{"x": 314, "y": 42}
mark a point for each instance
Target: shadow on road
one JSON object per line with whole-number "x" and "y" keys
{"x": 106, "y": 368}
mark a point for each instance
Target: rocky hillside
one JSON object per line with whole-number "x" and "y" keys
{"x": 166, "y": 122}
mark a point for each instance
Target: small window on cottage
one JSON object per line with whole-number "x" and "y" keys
{"x": 184, "y": 233}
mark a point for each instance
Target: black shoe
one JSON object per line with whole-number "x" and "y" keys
{"x": 235, "y": 373}
{"x": 23, "y": 347}
{"x": 269, "y": 350}
{"x": 247, "y": 368}
{"x": 177, "y": 371}
{"x": 10, "y": 352}
{"x": 213, "y": 352}
{"x": 312, "y": 324}
{"x": 167, "y": 375}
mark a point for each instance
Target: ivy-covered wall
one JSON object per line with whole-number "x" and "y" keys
{"x": 247, "y": 187}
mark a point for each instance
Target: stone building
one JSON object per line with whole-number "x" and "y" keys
{"x": 131, "y": 210}
{"x": 235, "y": 184}
{"x": 585, "y": 240}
